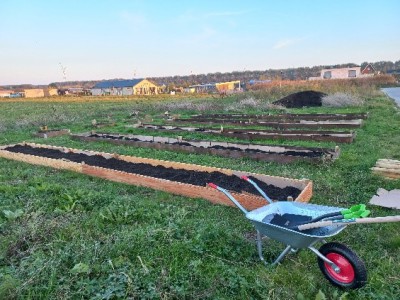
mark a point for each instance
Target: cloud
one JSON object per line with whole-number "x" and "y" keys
{"x": 286, "y": 43}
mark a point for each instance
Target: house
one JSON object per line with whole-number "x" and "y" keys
{"x": 223, "y": 87}
{"x": 5, "y": 93}
{"x": 50, "y": 92}
{"x": 342, "y": 73}
{"x": 345, "y": 73}
{"x": 33, "y": 93}
{"x": 203, "y": 88}
{"x": 125, "y": 88}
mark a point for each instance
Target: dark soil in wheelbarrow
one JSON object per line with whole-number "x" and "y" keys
{"x": 199, "y": 178}
{"x": 301, "y": 99}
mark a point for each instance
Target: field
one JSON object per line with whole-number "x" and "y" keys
{"x": 64, "y": 235}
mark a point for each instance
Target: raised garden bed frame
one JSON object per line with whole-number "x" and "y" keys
{"x": 280, "y": 117}
{"x": 52, "y": 133}
{"x": 288, "y": 124}
{"x": 265, "y": 153}
{"x": 249, "y": 201}
{"x": 254, "y": 134}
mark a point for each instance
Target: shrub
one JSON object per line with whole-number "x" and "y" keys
{"x": 341, "y": 99}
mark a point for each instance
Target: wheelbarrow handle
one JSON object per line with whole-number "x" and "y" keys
{"x": 350, "y": 221}
{"x": 257, "y": 188}
{"x": 229, "y": 195}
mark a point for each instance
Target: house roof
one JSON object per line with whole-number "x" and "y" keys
{"x": 341, "y": 69}
{"x": 368, "y": 66}
{"x": 117, "y": 83}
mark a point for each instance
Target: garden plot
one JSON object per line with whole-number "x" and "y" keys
{"x": 178, "y": 178}
{"x": 253, "y": 134}
{"x": 281, "y": 117}
{"x": 282, "y": 154}
{"x": 288, "y": 124}
{"x": 46, "y": 133}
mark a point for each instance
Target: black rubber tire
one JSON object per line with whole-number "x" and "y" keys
{"x": 359, "y": 279}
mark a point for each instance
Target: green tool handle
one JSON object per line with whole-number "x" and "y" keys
{"x": 350, "y": 221}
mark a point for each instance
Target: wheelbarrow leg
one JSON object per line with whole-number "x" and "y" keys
{"x": 259, "y": 248}
{"x": 325, "y": 259}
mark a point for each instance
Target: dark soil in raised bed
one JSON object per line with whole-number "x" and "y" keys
{"x": 293, "y": 153}
{"x": 50, "y": 130}
{"x": 199, "y": 178}
{"x": 301, "y": 99}
{"x": 310, "y": 154}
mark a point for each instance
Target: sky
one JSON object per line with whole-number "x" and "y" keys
{"x": 66, "y": 40}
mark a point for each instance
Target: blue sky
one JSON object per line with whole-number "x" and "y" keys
{"x": 106, "y": 39}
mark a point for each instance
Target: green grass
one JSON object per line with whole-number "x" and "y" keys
{"x": 81, "y": 237}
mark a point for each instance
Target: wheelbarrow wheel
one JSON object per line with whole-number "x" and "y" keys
{"x": 352, "y": 274}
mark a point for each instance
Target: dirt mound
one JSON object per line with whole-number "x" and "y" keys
{"x": 300, "y": 99}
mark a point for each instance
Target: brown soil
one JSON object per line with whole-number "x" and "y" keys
{"x": 199, "y": 178}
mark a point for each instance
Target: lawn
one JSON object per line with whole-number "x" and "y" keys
{"x": 64, "y": 235}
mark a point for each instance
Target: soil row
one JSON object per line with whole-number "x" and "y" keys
{"x": 257, "y": 134}
{"x": 316, "y": 117}
{"x": 199, "y": 178}
{"x": 303, "y": 153}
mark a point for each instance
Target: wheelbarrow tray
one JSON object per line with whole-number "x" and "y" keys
{"x": 262, "y": 217}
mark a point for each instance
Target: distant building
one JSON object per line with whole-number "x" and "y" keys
{"x": 125, "y": 88}
{"x": 342, "y": 73}
{"x": 228, "y": 86}
{"x": 203, "y": 88}
{"x": 50, "y": 92}
{"x": 33, "y": 93}
{"x": 255, "y": 81}
{"x": 5, "y": 93}
{"x": 221, "y": 87}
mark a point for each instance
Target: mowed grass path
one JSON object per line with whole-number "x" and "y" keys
{"x": 68, "y": 236}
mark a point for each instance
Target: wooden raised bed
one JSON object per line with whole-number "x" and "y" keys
{"x": 71, "y": 159}
{"x": 253, "y": 134}
{"x": 287, "y": 124}
{"x": 52, "y": 133}
{"x": 280, "y": 117}
{"x": 388, "y": 168}
{"x": 282, "y": 154}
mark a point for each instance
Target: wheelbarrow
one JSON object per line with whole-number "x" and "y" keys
{"x": 339, "y": 264}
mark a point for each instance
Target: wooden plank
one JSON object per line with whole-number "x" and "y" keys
{"x": 52, "y": 133}
{"x": 389, "y": 161}
{"x": 387, "y": 165}
{"x": 387, "y": 174}
{"x": 392, "y": 171}
{"x": 44, "y": 161}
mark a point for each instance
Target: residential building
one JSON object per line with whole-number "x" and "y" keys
{"x": 5, "y": 93}
{"x": 344, "y": 73}
{"x": 125, "y": 88}
{"x": 33, "y": 93}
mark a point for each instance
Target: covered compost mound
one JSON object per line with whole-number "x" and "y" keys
{"x": 301, "y": 99}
